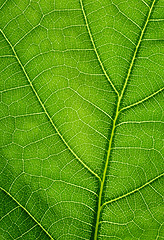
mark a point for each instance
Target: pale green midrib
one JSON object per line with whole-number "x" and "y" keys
{"x": 115, "y": 120}
{"x": 143, "y": 100}
{"x": 133, "y": 191}
{"x": 105, "y": 170}
{"x": 45, "y": 110}
{"x": 95, "y": 49}
{"x": 27, "y": 213}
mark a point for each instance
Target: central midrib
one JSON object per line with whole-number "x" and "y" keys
{"x": 100, "y": 205}
{"x": 105, "y": 170}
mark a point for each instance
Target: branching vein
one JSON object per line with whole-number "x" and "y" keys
{"x": 116, "y": 117}
{"x": 95, "y": 49}
{"x": 135, "y": 190}
{"x": 143, "y": 100}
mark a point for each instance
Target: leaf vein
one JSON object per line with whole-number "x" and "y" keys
{"x": 95, "y": 49}
{"x": 135, "y": 190}
{"x": 143, "y": 100}
{"x": 19, "y": 204}
{"x": 115, "y": 120}
{"x": 45, "y": 110}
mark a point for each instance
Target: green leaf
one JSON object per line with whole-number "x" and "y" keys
{"x": 81, "y": 119}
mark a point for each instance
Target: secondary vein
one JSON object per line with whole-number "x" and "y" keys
{"x": 45, "y": 110}
{"x": 142, "y": 100}
{"x": 95, "y": 49}
{"x": 135, "y": 190}
{"x": 27, "y": 212}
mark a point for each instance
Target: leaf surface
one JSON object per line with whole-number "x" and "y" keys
{"x": 81, "y": 119}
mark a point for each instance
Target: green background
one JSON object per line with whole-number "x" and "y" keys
{"x": 59, "y": 61}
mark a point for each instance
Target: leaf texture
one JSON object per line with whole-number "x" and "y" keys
{"x": 81, "y": 123}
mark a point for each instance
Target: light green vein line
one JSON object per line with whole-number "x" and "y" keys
{"x": 61, "y": 181}
{"x": 143, "y": 100}
{"x": 15, "y": 88}
{"x": 45, "y": 110}
{"x": 137, "y": 48}
{"x": 6, "y": 56}
{"x": 156, "y": 20}
{"x": 92, "y": 104}
{"x": 105, "y": 170}
{"x": 115, "y": 120}
{"x": 135, "y": 190}
{"x": 27, "y": 213}
{"x": 138, "y": 122}
{"x": 26, "y": 232}
{"x": 9, "y": 213}
{"x": 94, "y": 47}
{"x": 3, "y": 4}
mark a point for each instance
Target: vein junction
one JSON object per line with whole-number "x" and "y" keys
{"x": 118, "y": 110}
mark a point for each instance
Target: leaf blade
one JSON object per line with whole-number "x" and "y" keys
{"x": 38, "y": 168}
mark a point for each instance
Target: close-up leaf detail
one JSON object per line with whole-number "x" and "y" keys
{"x": 81, "y": 146}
